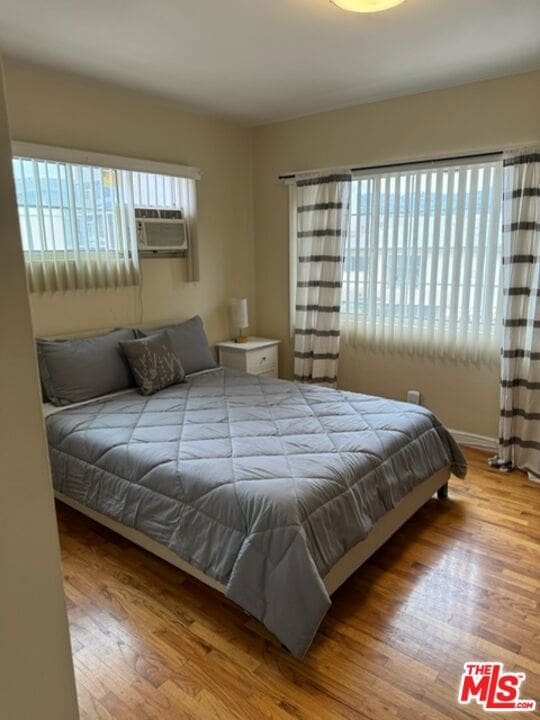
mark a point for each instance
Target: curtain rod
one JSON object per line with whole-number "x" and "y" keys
{"x": 472, "y": 156}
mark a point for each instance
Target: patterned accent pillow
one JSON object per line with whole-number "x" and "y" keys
{"x": 153, "y": 362}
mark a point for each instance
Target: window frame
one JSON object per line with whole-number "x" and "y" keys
{"x": 34, "y": 151}
{"x": 489, "y": 353}
{"x": 117, "y": 162}
{"x": 440, "y": 344}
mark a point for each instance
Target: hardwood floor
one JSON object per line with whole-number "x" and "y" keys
{"x": 459, "y": 582}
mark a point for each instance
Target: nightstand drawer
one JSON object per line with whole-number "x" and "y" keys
{"x": 262, "y": 360}
{"x": 232, "y": 359}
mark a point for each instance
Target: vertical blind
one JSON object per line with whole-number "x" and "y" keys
{"x": 77, "y": 225}
{"x": 158, "y": 191}
{"x": 422, "y": 262}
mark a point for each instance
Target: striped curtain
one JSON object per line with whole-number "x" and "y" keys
{"x": 519, "y": 441}
{"x": 322, "y": 223}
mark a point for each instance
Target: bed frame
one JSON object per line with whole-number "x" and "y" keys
{"x": 342, "y": 570}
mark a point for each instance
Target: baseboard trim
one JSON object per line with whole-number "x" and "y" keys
{"x": 480, "y": 442}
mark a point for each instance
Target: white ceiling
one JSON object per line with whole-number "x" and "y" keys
{"x": 264, "y": 60}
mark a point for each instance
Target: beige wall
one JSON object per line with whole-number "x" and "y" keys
{"x": 58, "y": 109}
{"x": 482, "y": 116}
{"x": 240, "y": 173}
{"x": 35, "y": 658}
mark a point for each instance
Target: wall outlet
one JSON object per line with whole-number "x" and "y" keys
{"x": 413, "y": 396}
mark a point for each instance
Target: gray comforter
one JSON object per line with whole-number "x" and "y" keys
{"x": 262, "y": 484}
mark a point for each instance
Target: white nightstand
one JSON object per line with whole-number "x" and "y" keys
{"x": 258, "y": 356}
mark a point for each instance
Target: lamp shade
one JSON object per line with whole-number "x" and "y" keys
{"x": 366, "y": 6}
{"x": 239, "y": 312}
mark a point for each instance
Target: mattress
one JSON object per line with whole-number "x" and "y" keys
{"x": 261, "y": 484}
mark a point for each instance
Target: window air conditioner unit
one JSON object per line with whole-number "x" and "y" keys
{"x": 161, "y": 233}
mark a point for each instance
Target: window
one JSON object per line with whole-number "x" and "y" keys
{"x": 77, "y": 219}
{"x": 65, "y": 207}
{"x": 422, "y": 264}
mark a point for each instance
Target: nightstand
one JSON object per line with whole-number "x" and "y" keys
{"x": 258, "y": 356}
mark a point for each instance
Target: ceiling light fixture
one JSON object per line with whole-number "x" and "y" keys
{"x": 366, "y": 6}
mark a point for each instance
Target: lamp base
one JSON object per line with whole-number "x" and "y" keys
{"x": 240, "y": 339}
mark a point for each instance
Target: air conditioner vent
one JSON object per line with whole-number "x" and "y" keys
{"x": 161, "y": 232}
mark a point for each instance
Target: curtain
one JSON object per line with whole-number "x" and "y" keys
{"x": 422, "y": 269}
{"x": 77, "y": 225}
{"x": 322, "y": 221}
{"x": 519, "y": 429}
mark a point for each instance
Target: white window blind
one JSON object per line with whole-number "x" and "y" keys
{"x": 77, "y": 225}
{"x": 158, "y": 191}
{"x": 78, "y": 220}
{"x": 422, "y": 262}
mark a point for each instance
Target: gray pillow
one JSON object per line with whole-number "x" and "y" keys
{"x": 153, "y": 362}
{"x": 190, "y": 344}
{"x": 81, "y": 369}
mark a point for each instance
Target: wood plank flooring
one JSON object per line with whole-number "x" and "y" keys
{"x": 459, "y": 582}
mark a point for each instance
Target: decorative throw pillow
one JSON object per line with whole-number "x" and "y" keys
{"x": 189, "y": 343}
{"x": 153, "y": 362}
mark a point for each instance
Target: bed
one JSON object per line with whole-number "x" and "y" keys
{"x": 270, "y": 491}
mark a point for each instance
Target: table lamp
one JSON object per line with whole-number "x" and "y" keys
{"x": 239, "y": 315}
